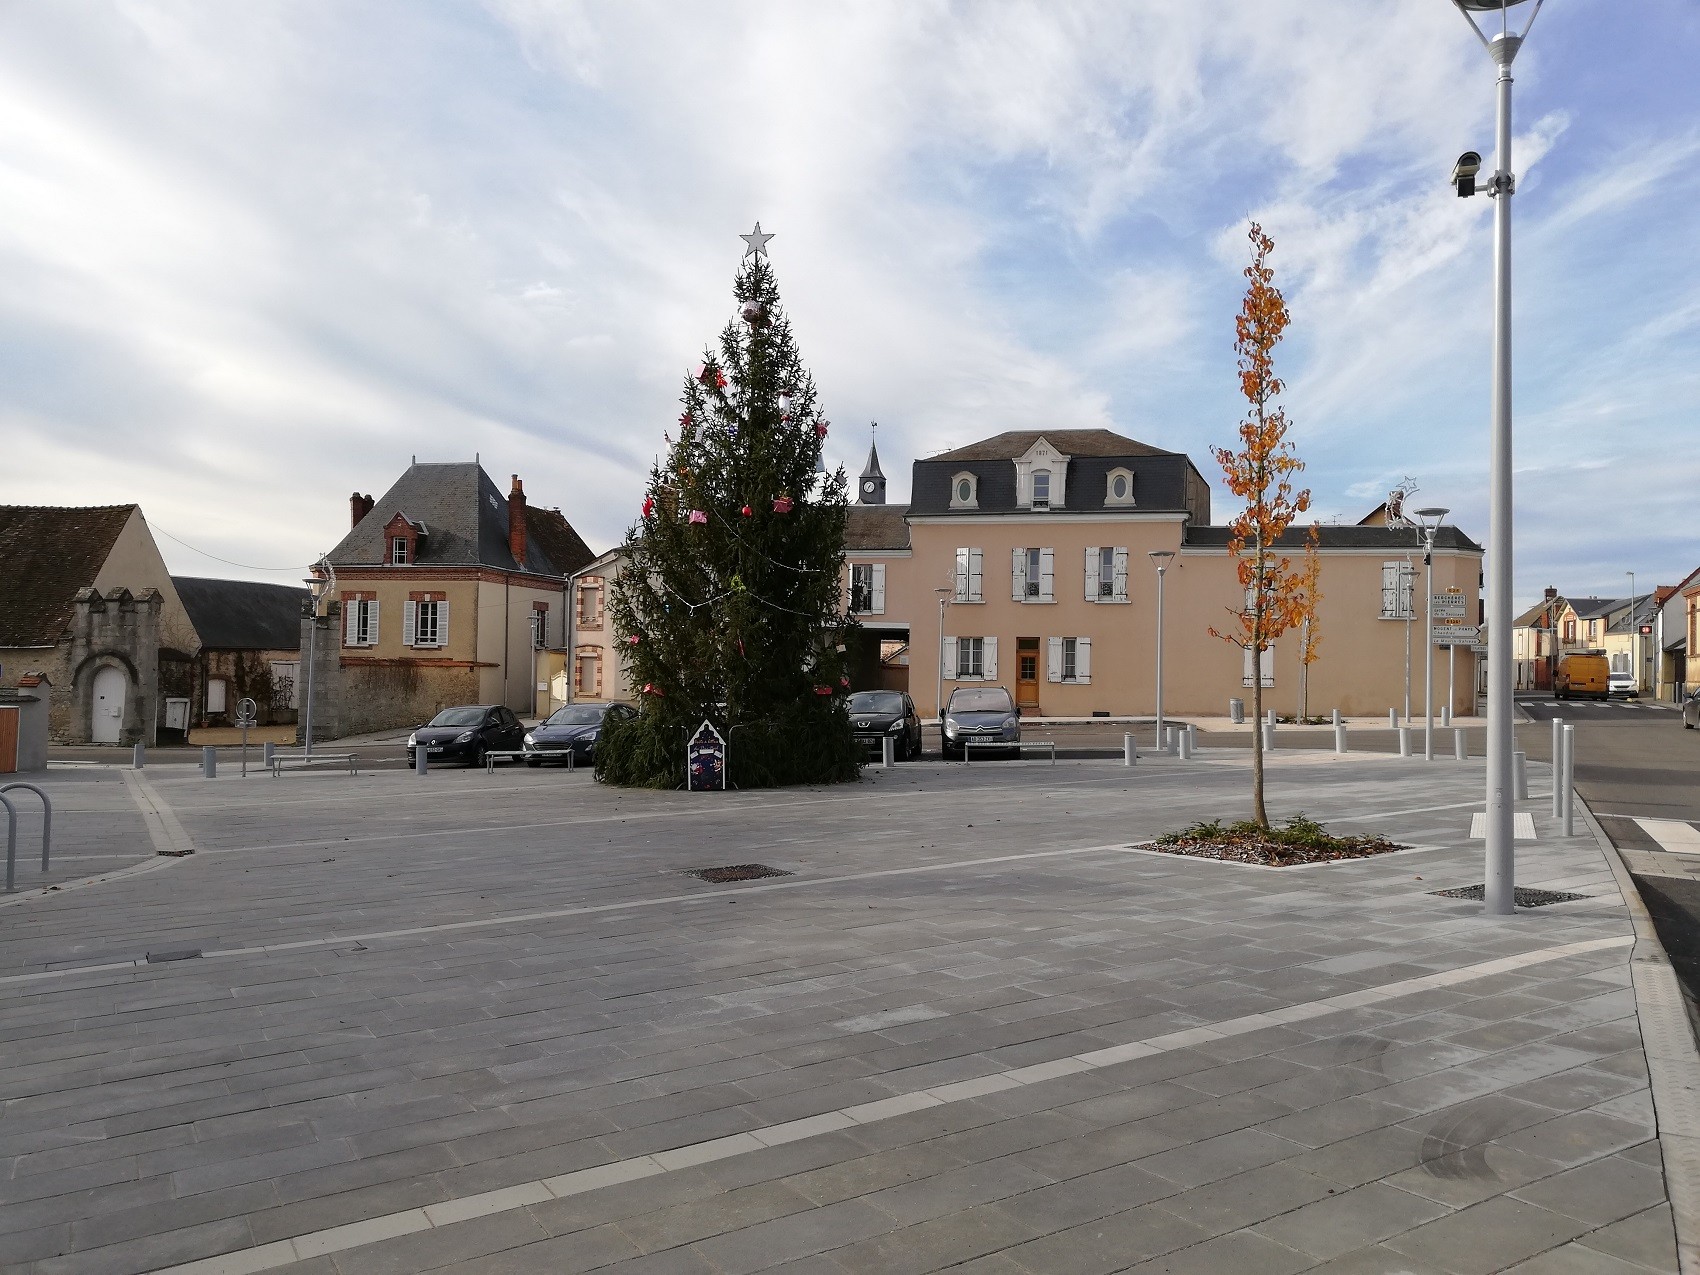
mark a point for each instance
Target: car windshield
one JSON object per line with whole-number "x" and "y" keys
{"x": 981, "y": 701}
{"x": 876, "y": 702}
{"x": 576, "y": 715}
{"x": 458, "y": 717}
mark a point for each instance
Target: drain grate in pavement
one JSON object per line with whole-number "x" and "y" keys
{"x": 737, "y": 872}
{"x": 1525, "y": 898}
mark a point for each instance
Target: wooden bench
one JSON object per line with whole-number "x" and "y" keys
{"x": 968, "y": 745}
{"x": 302, "y": 761}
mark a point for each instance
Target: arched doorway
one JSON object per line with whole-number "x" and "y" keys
{"x": 110, "y": 690}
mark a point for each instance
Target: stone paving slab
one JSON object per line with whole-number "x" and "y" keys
{"x": 483, "y": 1023}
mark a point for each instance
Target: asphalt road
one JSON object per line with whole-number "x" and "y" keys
{"x": 1634, "y": 760}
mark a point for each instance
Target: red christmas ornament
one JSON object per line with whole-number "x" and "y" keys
{"x": 823, "y": 690}
{"x": 719, "y": 379}
{"x": 648, "y": 506}
{"x": 650, "y": 688}
{"x": 820, "y": 428}
{"x": 782, "y": 504}
{"x": 685, "y": 423}
{"x": 633, "y": 639}
{"x": 844, "y": 682}
{"x": 697, "y": 517}
{"x": 747, "y": 511}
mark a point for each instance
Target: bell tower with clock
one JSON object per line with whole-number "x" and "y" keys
{"x": 870, "y": 487}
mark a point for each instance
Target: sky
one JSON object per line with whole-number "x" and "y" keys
{"x": 256, "y": 256}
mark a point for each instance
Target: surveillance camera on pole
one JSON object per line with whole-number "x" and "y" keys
{"x": 1464, "y": 174}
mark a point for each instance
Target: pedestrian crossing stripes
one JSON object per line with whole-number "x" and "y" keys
{"x": 1673, "y": 835}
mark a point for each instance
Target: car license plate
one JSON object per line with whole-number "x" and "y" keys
{"x": 432, "y": 752}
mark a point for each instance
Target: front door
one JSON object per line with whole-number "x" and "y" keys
{"x": 1027, "y": 672}
{"x": 110, "y": 685}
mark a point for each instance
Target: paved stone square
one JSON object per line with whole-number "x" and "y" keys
{"x": 486, "y": 1023}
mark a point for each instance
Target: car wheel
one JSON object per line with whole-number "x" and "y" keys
{"x": 478, "y": 756}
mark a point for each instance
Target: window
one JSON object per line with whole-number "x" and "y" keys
{"x": 215, "y": 694}
{"x": 1033, "y": 575}
{"x": 1069, "y": 659}
{"x": 587, "y": 672}
{"x": 1398, "y": 585}
{"x": 1619, "y": 662}
{"x": 359, "y": 621}
{"x": 539, "y": 627}
{"x": 590, "y": 602}
{"x": 964, "y": 491}
{"x": 970, "y": 576}
{"x": 1041, "y": 489}
{"x": 867, "y": 588}
{"x": 1106, "y": 573}
{"x": 972, "y": 659}
{"x": 1570, "y": 630}
{"x": 1593, "y": 629}
{"x": 425, "y": 621}
{"x": 1118, "y": 487}
{"x": 398, "y": 550}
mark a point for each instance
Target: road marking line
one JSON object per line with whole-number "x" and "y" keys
{"x": 373, "y": 1230}
{"x": 1673, "y": 835}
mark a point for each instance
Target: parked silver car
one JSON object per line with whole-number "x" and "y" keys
{"x": 1691, "y": 710}
{"x": 982, "y": 715}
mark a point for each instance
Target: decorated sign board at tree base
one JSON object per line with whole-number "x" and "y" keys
{"x": 705, "y": 761}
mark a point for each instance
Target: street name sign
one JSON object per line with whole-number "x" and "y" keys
{"x": 1448, "y": 606}
{"x": 1457, "y": 635}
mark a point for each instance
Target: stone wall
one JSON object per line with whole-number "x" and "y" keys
{"x": 374, "y": 696}
{"x": 112, "y": 630}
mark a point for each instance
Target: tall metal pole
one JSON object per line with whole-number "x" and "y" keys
{"x": 312, "y": 635}
{"x": 1634, "y": 635}
{"x": 1407, "y": 579}
{"x": 1159, "y": 656}
{"x": 1500, "y": 867}
{"x": 1428, "y": 651}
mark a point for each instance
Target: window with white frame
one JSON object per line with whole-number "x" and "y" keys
{"x": 1106, "y": 573}
{"x": 1033, "y": 575}
{"x": 965, "y": 491}
{"x": 1069, "y": 659}
{"x": 425, "y": 623}
{"x": 539, "y": 627}
{"x": 1620, "y": 662}
{"x": 970, "y": 575}
{"x": 398, "y": 550}
{"x": 1041, "y": 489}
{"x": 969, "y": 659}
{"x": 1118, "y": 487}
{"x": 1398, "y": 588}
{"x": 1266, "y": 665}
{"x": 587, "y": 672}
{"x": 590, "y": 602}
{"x": 359, "y": 621}
{"x": 867, "y": 588}
{"x": 216, "y": 687}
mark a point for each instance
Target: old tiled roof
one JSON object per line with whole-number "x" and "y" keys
{"x": 1070, "y": 442}
{"x": 466, "y": 521}
{"x": 46, "y": 555}
{"x": 242, "y": 615}
{"x": 872, "y": 527}
{"x": 1332, "y": 536}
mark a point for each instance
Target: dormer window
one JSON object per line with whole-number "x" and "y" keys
{"x": 1118, "y": 487}
{"x": 964, "y": 491}
{"x": 402, "y": 537}
{"x": 1041, "y": 489}
{"x": 398, "y": 551}
{"x": 1041, "y": 478}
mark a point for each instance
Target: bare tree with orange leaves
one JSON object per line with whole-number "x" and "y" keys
{"x": 1278, "y": 596}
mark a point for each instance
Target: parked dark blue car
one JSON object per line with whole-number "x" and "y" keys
{"x": 571, "y": 731}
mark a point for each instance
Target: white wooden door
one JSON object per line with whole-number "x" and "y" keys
{"x": 110, "y": 686}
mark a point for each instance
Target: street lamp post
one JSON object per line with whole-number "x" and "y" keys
{"x": 944, "y": 601}
{"x": 1634, "y": 635}
{"x": 1431, "y": 523}
{"x": 1161, "y": 559}
{"x": 323, "y": 578}
{"x": 1500, "y": 869}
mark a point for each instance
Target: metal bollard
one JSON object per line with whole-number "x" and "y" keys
{"x": 1337, "y": 717}
{"x": 1268, "y": 737}
{"x": 1130, "y": 750}
{"x": 209, "y": 762}
{"x": 885, "y": 752}
{"x": 1192, "y": 737}
{"x": 1557, "y": 767}
{"x": 1404, "y": 741}
{"x": 1340, "y": 745}
{"x": 1520, "y": 767}
{"x": 1460, "y": 746}
{"x": 139, "y": 758}
{"x": 1392, "y": 719}
{"x": 1569, "y": 781}
{"x": 267, "y": 754}
{"x": 1446, "y": 714}
{"x": 1183, "y": 738}
{"x": 421, "y": 763}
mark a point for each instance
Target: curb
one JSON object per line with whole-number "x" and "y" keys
{"x": 1673, "y": 1058}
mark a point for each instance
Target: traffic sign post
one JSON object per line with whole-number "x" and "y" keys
{"x": 246, "y": 715}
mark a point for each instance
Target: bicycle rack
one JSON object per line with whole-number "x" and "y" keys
{"x": 12, "y": 830}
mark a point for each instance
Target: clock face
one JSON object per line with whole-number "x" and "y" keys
{"x": 868, "y": 486}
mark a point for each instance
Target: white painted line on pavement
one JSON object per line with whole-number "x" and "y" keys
{"x": 387, "y": 1226}
{"x": 1673, "y": 835}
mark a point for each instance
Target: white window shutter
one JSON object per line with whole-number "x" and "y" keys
{"x": 1121, "y": 574}
{"x": 991, "y": 670}
{"x": 1053, "y": 659}
{"x": 1017, "y": 574}
{"x": 879, "y": 588}
{"x": 409, "y": 622}
{"x": 1083, "y": 659}
{"x": 976, "y": 572}
{"x": 1390, "y": 590}
{"x": 962, "y": 558}
{"x": 443, "y": 622}
{"x": 372, "y": 623}
{"x": 947, "y": 661}
{"x": 1267, "y": 662}
{"x": 1092, "y": 560}
{"x": 1047, "y": 575}
{"x": 350, "y": 623}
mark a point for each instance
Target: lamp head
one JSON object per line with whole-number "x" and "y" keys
{"x": 1161, "y": 557}
{"x": 1488, "y": 6}
{"x": 1432, "y": 515}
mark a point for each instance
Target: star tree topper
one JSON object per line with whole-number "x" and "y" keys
{"x": 756, "y": 242}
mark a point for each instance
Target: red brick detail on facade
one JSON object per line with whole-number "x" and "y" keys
{"x": 417, "y": 596}
{"x": 375, "y": 661}
{"x": 399, "y": 528}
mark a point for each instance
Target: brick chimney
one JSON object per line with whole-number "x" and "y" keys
{"x": 358, "y": 507}
{"x": 1551, "y": 593}
{"x": 516, "y": 521}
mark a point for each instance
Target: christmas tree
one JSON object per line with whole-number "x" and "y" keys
{"x": 729, "y": 607}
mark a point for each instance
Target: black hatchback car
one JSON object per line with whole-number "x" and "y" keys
{"x": 876, "y": 714}
{"x": 571, "y": 732}
{"x": 467, "y": 733}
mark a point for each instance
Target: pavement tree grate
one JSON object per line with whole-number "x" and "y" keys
{"x": 737, "y": 872}
{"x": 1525, "y": 898}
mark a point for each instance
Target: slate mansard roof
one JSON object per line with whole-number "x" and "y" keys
{"x": 46, "y": 555}
{"x": 243, "y": 615}
{"x": 1330, "y": 536}
{"x": 466, "y": 524}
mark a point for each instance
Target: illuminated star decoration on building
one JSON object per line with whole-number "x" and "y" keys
{"x": 756, "y": 242}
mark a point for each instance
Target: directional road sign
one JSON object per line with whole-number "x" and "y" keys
{"x": 1448, "y": 606}
{"x": 1457, "y": 635}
